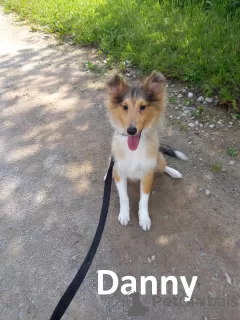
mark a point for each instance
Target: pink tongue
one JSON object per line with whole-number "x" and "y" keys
{"x": 133, "y": 142}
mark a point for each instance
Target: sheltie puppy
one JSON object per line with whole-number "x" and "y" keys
{"x": 134, "y": 111}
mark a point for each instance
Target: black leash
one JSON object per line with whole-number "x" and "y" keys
{"x": 72, "y": 289}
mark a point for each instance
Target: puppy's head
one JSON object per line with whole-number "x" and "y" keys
{"x": 135, "y": 108}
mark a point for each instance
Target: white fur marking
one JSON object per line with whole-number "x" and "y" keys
{"x": 181, "y": 155}
{"x": 173, "y": 173}
{"x": 144, "y": 219}
{"x": 124, "y": 215}
{"x": 135, "y": 163}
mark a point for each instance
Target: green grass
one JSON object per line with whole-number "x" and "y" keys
{"x": 172, "y": 100}
{"x": 199, "y": 112}
{"x": 193, "y": 40}
{"x": 216, "y": 167}
{"x": 94, "y": 67}
{"x": 183, "y": 126}
{"x": 232, "y": 151}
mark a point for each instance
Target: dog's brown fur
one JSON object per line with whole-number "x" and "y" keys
{"x": 139, "y": 105}
{"x": 150, "y": 94}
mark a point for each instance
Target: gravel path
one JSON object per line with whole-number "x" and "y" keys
{"x": 54, "y": 146}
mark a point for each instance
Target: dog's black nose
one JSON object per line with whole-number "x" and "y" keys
{"x": 132, "y": 130}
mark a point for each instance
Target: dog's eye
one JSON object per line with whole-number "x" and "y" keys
{"x": 125, "y": 107}
{"x": 142, "y": 108}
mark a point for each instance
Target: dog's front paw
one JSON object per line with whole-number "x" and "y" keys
{"x": 124, "y": 218}
{"x": 144, "y": 221}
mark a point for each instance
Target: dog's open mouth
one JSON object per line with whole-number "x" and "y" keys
{"x": 133, "y": 141}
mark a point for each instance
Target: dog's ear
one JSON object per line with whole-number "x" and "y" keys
{"x": 155, "y": 83}
{"x": 117, "y": 86}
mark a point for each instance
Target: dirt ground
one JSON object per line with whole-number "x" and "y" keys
{"x": 54, "y": 148}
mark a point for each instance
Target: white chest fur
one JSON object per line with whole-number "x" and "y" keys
{"x": 132, "y": 164}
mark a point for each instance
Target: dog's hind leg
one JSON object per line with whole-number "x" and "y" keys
{"x": 172, "y": 173}
{"x": 162, "y": 167}
{"x": 161, "y": 163}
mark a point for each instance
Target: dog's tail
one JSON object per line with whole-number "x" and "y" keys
{"x": 169, "y": 151}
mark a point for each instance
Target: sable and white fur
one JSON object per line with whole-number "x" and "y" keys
{"x": 139, "y": 106}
